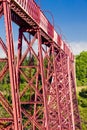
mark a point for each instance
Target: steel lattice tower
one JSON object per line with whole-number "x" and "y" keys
{"x": 46, "y": 100}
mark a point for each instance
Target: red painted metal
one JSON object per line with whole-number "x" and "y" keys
{"x": 77, "y": 119}
{"x": 42, "y": 80}
{"x": 59, "y": 40}
{"x": 44, "y": 86}
{"x": 11, "y": 62}
{"x": 50, "y": 30}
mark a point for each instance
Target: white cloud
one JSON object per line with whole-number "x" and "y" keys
{"x": 78, "y": 47}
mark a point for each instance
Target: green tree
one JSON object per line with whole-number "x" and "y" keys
{"x": 81, "y": 68}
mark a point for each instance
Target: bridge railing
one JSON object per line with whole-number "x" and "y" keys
{"x": 43, "y": 22}
{"x": 33, "y": 10}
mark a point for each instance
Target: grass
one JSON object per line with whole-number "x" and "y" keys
{"x": 82, "y": 107}
{"x": 83, "y": 115}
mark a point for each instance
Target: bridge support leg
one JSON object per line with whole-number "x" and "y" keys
{"x": 12, "y": 68}
{"x": 43, "y": 82}
{"x": 56, "y": 85}
{"x": 76, "y": 114}
{"x": 67, "y": 111}
{"x": 71, "y": 101}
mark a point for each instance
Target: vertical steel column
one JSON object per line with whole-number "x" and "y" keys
{"x": 65, "y": 91}
{"x": 18, "y": 78}
{"x": 19, "y": 57}
{"x": 12, "y": 69}
{"x": 71, "y": 102}
{"x": 77, "y": 119}
{"x": 35, "y": 104}
{"x": 43, "y": 81}
{"x": 57, "y": 91}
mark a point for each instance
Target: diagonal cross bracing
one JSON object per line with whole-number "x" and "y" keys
{"x": 42, "y": 83}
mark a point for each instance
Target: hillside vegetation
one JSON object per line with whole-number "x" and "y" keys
{"x": 81, "y": 69}
{"x": 81, "y": 76}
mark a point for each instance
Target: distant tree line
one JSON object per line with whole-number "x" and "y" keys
{"x": 81, "y": 69}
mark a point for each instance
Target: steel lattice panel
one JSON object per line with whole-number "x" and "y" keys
{"x": 41, "y": 92}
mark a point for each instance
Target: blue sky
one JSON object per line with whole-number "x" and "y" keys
{"x": 70, "y": 18}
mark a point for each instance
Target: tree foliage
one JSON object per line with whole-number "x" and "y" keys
{"x": 81, "y": 76}
{"x": 81, "y": 69}
{"x": 83, "y": 93}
